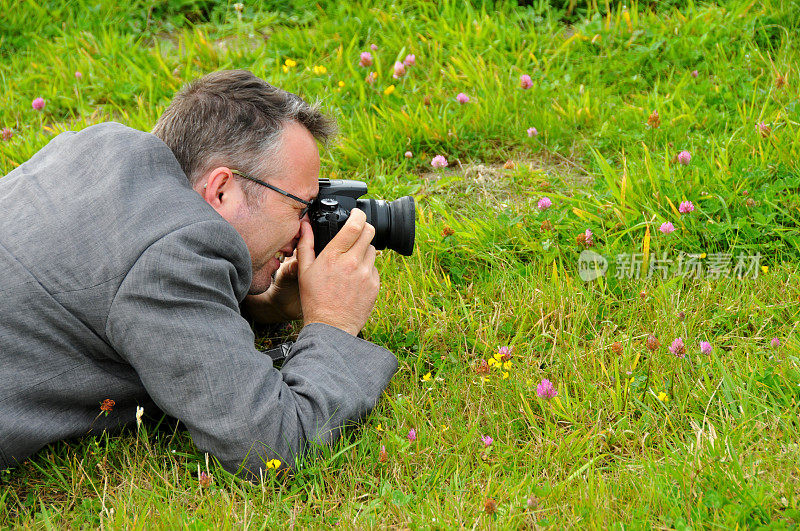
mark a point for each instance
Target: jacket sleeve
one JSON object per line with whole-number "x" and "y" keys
{"x": 176, "y": 320}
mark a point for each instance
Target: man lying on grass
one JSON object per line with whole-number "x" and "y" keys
{"x": 127, "y": 260}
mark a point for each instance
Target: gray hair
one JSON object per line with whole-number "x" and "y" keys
{"x": 233, "y": 118}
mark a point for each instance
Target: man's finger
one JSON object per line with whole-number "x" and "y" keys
{"x": 305, "y": 248}
{"x": 369, "y": 256}
{"x": 288, "y": 269}
{"x": 364, "y": 240}
{"x": 350, "y": 232}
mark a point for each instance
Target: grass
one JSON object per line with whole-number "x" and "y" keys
{"x": 718, "y": 450}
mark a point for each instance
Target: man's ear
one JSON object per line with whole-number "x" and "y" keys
{"x": 220, "y": 190}
{"x": 215, "y": 184}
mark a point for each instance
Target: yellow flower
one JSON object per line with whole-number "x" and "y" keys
{"x": 663, "y": 397}
{"x": 285, "y": 69}
{"x": 427, "y": 377}
{"x": 379, "y": 427}
{"x": 290, "y": 63}
{"x": 627, "y": 17}
{"x": 507, "y": 365}
{"x": 505, "y": 375}
{"x": 319, "y": 70}
{"x": 492, "y": 362}
{"x": 341, "y": 83}
{"x": 764, "y": 268}
{"x": 498, "y": 356}
{"x": 388, "y": 90}
{"x": 273, "y": 463}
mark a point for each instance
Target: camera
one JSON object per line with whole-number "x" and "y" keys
{"x": 394, "y": 221}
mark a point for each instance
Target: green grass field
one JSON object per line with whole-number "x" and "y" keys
{"x": 635, "y": 437}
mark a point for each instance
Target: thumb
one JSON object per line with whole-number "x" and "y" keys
{"x": 305, "y": 248}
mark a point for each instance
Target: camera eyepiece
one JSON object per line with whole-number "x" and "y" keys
{"x": 394, "y": 221}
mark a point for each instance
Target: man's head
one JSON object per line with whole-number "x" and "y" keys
{"x": 231, "y": 121}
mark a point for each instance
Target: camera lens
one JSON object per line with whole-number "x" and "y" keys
{"x": 394, "y": 223}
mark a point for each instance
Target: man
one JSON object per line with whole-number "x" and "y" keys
{"x": 125, "y": 257}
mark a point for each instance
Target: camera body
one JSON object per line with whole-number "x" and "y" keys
{"x": 394, "y": 221}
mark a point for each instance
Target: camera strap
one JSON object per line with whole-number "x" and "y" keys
{"x": 279, "y": 353}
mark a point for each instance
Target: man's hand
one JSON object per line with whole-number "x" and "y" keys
{"x": 339, "y": 287}
{"x": 281, "y": 301}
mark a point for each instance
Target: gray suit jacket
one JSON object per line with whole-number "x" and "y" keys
{"x": 118, "y": 281}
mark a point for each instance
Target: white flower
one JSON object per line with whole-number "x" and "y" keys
{"x": 139, "y": 413}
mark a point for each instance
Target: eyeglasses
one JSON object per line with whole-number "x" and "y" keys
{"x": 275, "y": 188}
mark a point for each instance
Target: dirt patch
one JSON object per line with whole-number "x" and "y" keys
{"x": 515, "y": 182}
{"x": 250, "y": 41}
